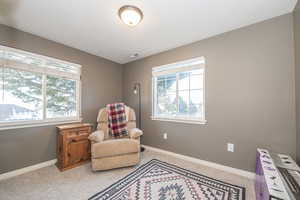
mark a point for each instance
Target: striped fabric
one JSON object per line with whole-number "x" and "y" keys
{"x": 117, "y": 120}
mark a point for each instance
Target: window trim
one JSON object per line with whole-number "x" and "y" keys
{"x": 179, "y": 120}
{"x": 65, "y": 75}
{"x": 200, "y": 61}
{"x": 38, "y": 123}
{"x": 27, "y": 67}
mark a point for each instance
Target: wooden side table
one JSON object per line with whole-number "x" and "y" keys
{"x": 73, "y": 145}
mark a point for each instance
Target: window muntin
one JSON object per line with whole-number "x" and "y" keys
{"x": 178, "y": 91}
{"x": 37, "y": 89}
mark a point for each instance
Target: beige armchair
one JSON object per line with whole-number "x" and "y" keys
{"x": 108, "y": 152}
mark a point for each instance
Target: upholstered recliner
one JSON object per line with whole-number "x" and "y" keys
{"x": 109, "y": 152}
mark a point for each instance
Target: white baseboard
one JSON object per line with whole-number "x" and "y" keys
{"x": 232, "y": 170}
{"x": 26, "y": 169}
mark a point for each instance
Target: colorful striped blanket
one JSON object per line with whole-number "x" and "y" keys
{"x": 117, "y": 120}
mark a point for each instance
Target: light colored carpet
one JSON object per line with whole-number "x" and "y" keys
{"x": 81, "y": 182}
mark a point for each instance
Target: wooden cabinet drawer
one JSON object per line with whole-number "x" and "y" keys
{"x": 78, "y": 138}
{"x": 77, "y": 132}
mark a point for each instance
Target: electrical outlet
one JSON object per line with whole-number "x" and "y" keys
{"x": 165, "y": 136}
{"x": 230, "y": 147}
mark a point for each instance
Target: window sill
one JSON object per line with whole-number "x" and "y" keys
{"x": 186, "y": 121}
{"x": 37, "y": 124}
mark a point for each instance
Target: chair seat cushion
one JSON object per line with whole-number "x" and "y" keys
{"x": 115, "y": 147}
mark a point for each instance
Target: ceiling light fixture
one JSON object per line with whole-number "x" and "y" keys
{"x": 130, "y": 15}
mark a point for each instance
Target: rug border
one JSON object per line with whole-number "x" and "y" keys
{"x": 163, "y": 162}
{"x": 243, "y": 188}
{"x": 198, "y": 173}
{"x": 120, "y": 180}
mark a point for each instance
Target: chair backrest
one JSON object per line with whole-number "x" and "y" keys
{"x": 102, "y": 120}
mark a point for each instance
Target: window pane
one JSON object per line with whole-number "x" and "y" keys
{"x": 161, "y": 89}
{"x": 170, "y": 76}
{"x": 183, "y": 101}
{"x": 196, "y": 97}
{"x": 161, "y": 78}
{"x": 195, "y": 110}
{"x": 183, "y": 82}
{"x": 166, "y": 104}
{"x": 171, "y": 84}
{"x": 179, "y": 95}
{"x": 21, "y": 95}
{"x": 196, "y": 82}
{"x": 61, "y": 97}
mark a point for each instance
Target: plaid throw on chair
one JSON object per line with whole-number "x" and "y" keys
{"x": 117, "y": 120}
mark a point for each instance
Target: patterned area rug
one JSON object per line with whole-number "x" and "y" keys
{"x": 157, "y": 180}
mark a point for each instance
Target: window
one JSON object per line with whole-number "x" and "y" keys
{"x": 37, "y": 90}
{"x": 178, "y": 91}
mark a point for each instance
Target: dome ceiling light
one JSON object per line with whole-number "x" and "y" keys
{"x": 130, "y": 15}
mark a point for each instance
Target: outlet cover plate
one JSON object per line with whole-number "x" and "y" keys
{"x": 230, "y": 147}
{"x": 165, "y": 136}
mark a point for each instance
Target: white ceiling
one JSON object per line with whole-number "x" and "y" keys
{"x": 93, "y": 25}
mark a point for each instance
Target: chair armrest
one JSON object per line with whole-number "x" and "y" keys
{"x": 135, "y": 133}
{"x": 96, "y": 136}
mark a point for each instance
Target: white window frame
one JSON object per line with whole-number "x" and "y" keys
{"x": 44, "y": 72}
{"x": 194, "y": 63}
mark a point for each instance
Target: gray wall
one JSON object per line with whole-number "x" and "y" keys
{"x": 101, "y": 81}
{"x": 250, "y": 95}
{"x": 297, "y": 69}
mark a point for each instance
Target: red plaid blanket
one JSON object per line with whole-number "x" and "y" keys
{"x": 117, "y": 120}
